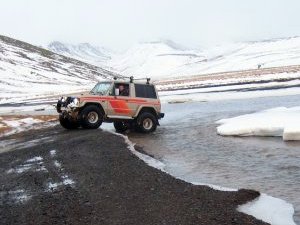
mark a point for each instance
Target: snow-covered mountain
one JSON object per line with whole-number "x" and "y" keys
{"x": 84, "y": 52}
{"x": 165, "y": 59}
{"x": 160, "y": 60}
{"x": 154, "y": 59}
{"x": 27, "y": 71}
{"x": 249, "y": 55}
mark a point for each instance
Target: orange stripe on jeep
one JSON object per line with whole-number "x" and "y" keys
{"x": 113, "y": 99}
{"x": 96, "y": 98}
{"x": 133, "y": 100}
{"x": 120, "y": 106}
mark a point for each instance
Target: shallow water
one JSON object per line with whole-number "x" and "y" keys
{"x": 188, "y": 144}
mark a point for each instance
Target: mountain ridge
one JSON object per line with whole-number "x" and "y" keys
{"x": 163, "y": 58}
{"x": 29, "y": 71}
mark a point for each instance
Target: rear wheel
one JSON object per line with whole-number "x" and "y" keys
{"x": 146, "y": 122}
{"x": 66, "y": 123}
{"x": 120, "y": 126}
{"x": 91, "y": 117}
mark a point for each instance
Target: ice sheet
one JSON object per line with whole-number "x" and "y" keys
{"x": 281, "y": 121}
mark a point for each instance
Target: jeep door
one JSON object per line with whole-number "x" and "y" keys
{"x": 120, "y": 105}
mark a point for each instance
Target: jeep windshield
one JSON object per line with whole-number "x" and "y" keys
{"x": 101, "y": 88}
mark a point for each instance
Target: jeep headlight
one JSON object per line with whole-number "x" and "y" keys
{"x": 74, "y": 103}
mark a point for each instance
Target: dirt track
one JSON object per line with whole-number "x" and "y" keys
{"x": 90, "y": 177}
{"x": 251, "y": 73}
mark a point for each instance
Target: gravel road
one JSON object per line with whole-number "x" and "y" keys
{"x": 54, "y": 176}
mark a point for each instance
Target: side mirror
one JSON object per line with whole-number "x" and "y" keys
{"x": 117, "y": 92}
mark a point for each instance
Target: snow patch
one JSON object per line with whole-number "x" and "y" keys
{"x": 34, "y": 164}
{"x": 280, "y": 121}
{"x": 19, "y": 196}
{"x": 269, "y": 209}
{"x": 53, "y": 186}
{"x": 19, "y": 125}
{"x": 16, "y": 196}
{"x": 53, "y": 153}
{"x": 41, "y": 168}
{"x": 35, "y": 159}
{"x": 20, "y": 169}
{"x": 66, "y": 181}
{"x": 57, "y": 164}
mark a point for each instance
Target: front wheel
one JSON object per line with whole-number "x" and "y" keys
{"x": 120, "y": 126}
{"x": 66, "y": 123}
{"x": 91, "y": 117}
{"x": 146, "y": 122}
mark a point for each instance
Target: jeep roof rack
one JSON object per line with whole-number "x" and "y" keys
{"x": 132, "y": 79}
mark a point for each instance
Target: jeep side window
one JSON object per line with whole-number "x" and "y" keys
{"x": 123, "y": 89}
{"x": 100, "y": 88}
{"x": 145, "y": 91}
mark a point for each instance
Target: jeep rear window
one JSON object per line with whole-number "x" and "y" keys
{"x": 145, "y": 91}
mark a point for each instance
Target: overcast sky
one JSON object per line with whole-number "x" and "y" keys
{"x": 120, "y": 23}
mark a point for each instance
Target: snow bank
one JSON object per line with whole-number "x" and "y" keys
{"x": 282, "y": 121}
{"x": 215, "y": 187}
{"x": 266, "y": 208}
{"x": 147, "y": 159}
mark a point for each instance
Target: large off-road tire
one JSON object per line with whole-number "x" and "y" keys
{"x": 91, "y": 117}
{"x": 146, "y": 122}
{"x": 67, "y": 124}
{"x": 120, "y": 126}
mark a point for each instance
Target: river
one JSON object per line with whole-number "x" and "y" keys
{"x": 187, "y": 143}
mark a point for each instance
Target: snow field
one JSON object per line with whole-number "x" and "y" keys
{"x": 200, "y": 96}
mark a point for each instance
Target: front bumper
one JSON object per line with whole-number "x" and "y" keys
{"x": 67, "y": 105}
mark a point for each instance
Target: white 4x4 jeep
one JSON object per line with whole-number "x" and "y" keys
{"x": 126, "y": 104}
